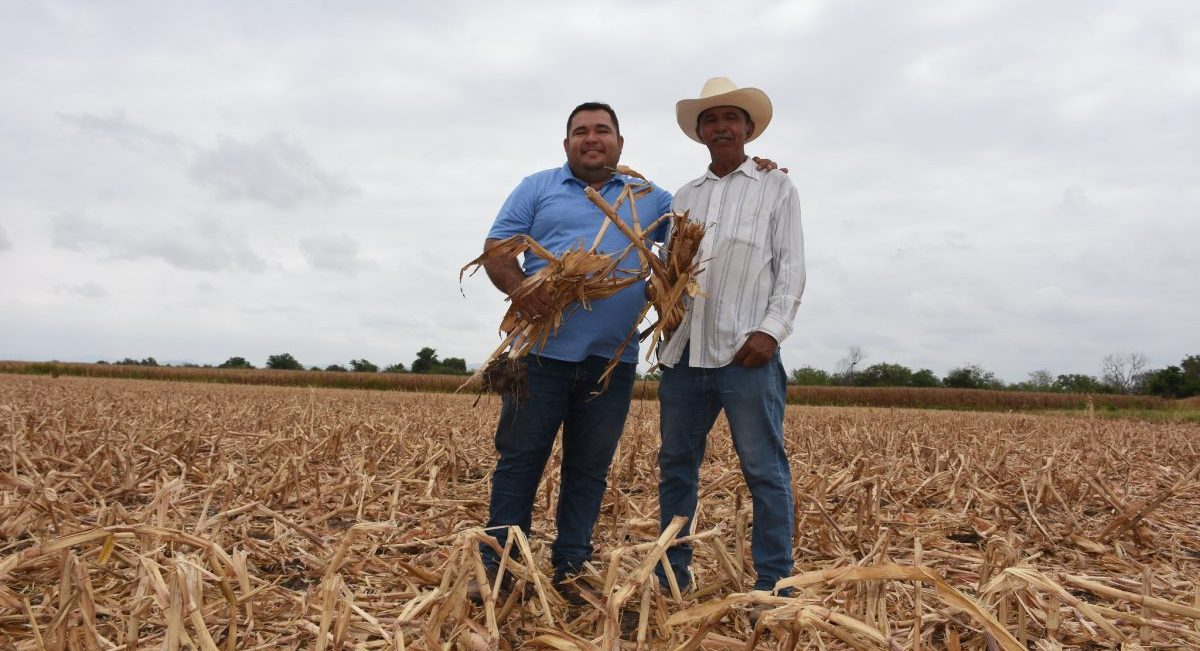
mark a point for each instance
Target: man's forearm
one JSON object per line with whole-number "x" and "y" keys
{"x": 506, "y": 274}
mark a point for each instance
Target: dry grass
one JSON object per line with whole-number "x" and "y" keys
{"x": 150, "y": 514}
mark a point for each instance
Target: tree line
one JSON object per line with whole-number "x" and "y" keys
{"x": 1123, "y": 373}
{"x": 427, "y": 361}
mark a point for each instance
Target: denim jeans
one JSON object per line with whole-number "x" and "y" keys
{"x": 561, "y": 394}
{"x": 753, "y": 400}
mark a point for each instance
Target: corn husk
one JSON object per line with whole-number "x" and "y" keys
{"x": 572, "y": 281}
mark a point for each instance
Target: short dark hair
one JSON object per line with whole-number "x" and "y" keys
{"x": 594, "y": 106}
{"x": 744, "y": 112}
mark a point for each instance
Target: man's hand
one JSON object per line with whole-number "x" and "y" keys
{"x": 758, "y": 350}
{"x": 534, "y": 305}
{"x": 507, "y": 276}
{"x": 766, "y": 164}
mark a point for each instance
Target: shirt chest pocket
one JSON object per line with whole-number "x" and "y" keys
{"x": 749, "y": 229}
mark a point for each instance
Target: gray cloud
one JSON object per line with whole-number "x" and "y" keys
{"x": 203, "y": 245}
{"x": 338, "y": 253}
{"x": 86, "y": 290}
{"x": 271, "y": 170}
{"x": 5, "y": 243}
{"x": 1009, "y": 183}
{"x": 117, "y": 127}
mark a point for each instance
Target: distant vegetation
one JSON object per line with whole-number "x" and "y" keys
{"x": 914, "y": 397}
{"x": 1123, "y": 374}
{"x": 426, "y": 362}
{"x": 1125, "y": 384}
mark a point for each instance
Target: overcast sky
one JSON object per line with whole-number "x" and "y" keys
{"x": 1011, "y": 184}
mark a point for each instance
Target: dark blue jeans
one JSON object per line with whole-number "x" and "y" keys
{"x": 561, "y": 394}
{"x": 753, "y": 400}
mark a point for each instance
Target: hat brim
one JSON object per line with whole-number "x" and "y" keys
{"x": 752, "y": 100}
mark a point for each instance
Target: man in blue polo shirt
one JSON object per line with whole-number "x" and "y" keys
{"x": 552, "y": 208}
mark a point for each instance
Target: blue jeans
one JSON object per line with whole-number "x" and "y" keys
{"x": 753, "y": 400}
{"x": 561, "y": 393}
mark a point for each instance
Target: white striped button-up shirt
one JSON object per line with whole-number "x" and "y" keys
{"x": 752, "y": 258}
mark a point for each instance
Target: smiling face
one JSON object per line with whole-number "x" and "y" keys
{"x": 724, "y": 129}
{"x": 592, "y": 145}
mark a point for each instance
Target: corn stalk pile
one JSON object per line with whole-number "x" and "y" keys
{"x": 579, "y": 276}
{"x": 139, "y": 514}
{"x": 673, "y": 274}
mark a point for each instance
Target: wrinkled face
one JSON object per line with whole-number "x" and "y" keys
{"x": 592, "y": 142}
{"x": 724, "y": 127}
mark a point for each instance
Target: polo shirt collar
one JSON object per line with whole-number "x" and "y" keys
{"x": 567, "y": 176}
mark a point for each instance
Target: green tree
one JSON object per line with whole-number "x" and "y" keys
{"x": 1039, "y": 380}
{"x": 971, "y": 376}
{"x": 925, "y": 378}
{"x": 1182, "y": 381}
{"x": 363, "y": 366}
{"x": 336, "y": 368}
{"x": 426, "y": 361}
{"x": 884, "y": 375}
{"x": 1080, "y": 383}
{"x": 284, "y": 361}
{"x": 810, "y": 376}
{"x": 398, "y": 367}
{"x": 236, "y": 362}
{"x": 1167, "y": 383}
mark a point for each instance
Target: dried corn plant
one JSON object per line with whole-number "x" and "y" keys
{"x": 571, "y": 280}
{"x": 141, "y": 514}
{"x": 577, "y": 276}
{"x": 673, "y": 274}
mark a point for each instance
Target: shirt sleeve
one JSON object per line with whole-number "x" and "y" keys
{"x": 787, "y": 265}
{"x": 516, "y": 215}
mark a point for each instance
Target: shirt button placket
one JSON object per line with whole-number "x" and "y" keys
{"x": 712, "y": 216}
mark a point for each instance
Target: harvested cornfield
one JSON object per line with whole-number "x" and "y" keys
{"x": 138, "y": 514}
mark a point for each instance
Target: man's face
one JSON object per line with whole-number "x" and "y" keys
{"x": 724, "y": 127}
{"x": 592, "y": 142}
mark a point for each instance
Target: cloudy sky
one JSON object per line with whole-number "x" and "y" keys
{"x": 1012, "y": 184}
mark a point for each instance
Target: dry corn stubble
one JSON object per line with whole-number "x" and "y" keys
{"x": 140, "y": 514}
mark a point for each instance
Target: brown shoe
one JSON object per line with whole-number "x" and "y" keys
{"x": 756, "y": 613}
{"x": 574, "y": 589}
{"x": 686, "y": 587}
{"x": 759, "y": 610}
{"x": 475, "y": 591}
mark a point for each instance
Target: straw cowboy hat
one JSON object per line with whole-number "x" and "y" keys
{"x": 720, "y": 91}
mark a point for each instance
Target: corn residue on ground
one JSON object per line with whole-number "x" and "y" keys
{"x": 139, "y": 514}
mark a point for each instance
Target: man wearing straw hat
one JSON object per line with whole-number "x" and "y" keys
{"x": 725, "y": 353}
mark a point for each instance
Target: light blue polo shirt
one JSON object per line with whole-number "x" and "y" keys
{"x": 551, "y": 207}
